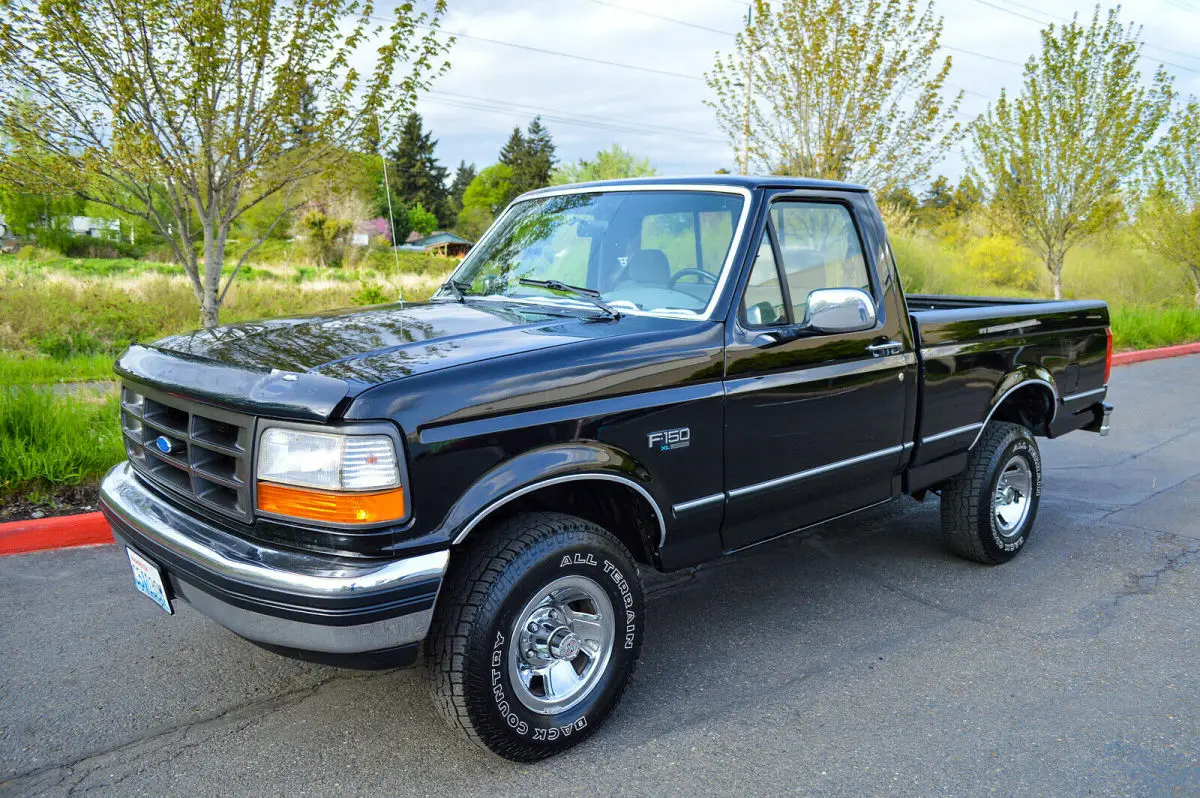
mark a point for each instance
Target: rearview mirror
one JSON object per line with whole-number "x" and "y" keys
{"x": 839, "y": 310}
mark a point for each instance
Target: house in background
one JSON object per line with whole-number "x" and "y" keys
{"x": 96, "y": 228}
{"x": 439, "y": 242}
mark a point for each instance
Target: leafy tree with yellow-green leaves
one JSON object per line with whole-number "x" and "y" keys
{"x": 1169, "y": 216}
{"x": 1054, "y": 160}
{"x": 838, "y": 89}
{"x": 187, "y": 115}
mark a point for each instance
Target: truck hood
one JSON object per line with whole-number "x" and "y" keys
{"x": 369, "y": 346}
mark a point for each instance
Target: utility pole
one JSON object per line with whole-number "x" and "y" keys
{"x": 749, "y": 95}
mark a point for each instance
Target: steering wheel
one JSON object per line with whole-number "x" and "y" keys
{"x": 712, "y": 278}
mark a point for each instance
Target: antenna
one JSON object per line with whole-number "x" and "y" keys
{"x": 387, "y": 188}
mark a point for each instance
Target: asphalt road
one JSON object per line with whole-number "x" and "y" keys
{"x": 861, "y": 659}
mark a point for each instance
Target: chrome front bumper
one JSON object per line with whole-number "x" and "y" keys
{"x": 298, "y": 600}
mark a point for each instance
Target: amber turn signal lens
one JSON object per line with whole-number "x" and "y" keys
{"x": 338, "y": 508}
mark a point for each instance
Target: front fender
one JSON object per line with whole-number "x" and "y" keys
{"x": 542, "y": 467}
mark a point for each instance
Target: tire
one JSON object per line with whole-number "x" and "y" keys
{"x": 505, "y": 688}
{"x": 978, "y": 521}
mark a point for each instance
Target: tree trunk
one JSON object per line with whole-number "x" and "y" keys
{"x": 1196, "y": 280}
{"x": 1054, "y": 262}
{"x": 215, "y": 235}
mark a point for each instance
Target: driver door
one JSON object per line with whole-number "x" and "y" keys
{"x": 814, "y": 422}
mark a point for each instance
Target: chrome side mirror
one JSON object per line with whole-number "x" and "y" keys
{"x": 839, "y": 310}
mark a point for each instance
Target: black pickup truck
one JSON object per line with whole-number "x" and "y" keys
{"x": 636, "y": 373}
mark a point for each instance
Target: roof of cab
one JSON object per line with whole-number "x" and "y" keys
{"x": 742, "y": 181}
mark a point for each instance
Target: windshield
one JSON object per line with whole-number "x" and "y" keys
{"x": 651, "y": 251}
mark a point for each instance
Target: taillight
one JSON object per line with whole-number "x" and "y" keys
{"x": 1107, "y": 354}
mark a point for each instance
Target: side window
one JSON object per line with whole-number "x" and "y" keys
{"x": 762, "y": 302}
{"x": 820, "y": 249}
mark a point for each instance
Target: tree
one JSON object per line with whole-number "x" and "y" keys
{"x": 839, "y": 89}
{"x": 181, "y": 113}
{"x": 611, "y": 164}
{"x": 1053, "y": 161}
{"x": 485, "y": 197}
{"x": 24, "y": 213}
{"x": 421, "y": 220}
{"x": 463, "y": 176}
{"x": 539, "y": 157}
{"x": 530, "y": 155}
{"x": 1169, "y": 216}
{"x": 416, "y": 176}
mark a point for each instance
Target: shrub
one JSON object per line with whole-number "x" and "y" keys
{"x": 1001, "y": 260}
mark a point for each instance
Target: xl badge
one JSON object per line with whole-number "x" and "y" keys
{"x": 670, "y": 439}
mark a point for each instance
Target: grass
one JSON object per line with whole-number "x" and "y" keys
{"x": 1147, "y": 328}
{"x": 16, "y": 370}
{"x": 48, "y": 439}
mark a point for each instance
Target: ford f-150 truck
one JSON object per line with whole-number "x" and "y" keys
{"x": 642, "y": 373}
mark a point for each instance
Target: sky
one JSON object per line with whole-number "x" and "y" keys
{"x": 660, "y": 113}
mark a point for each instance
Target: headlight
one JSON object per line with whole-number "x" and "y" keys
{"x": 322, "y": 476}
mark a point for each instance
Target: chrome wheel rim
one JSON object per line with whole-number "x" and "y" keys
{"x": 561, "y": 644}
{"x": 1014, "y": 490}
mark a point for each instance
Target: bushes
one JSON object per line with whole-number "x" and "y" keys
{"x": 67, "y": 243}
{"x": 1001, "y": 260}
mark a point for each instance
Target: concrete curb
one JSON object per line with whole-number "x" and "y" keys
{"x": 60, "y": 532}
{"x": 1142, "y": 355}
{"x": 89, "y": 529}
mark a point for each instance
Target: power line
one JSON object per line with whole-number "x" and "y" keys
{"x": 979, "y": 55}
{"x": 544, "y": 51}
{"x": 1066, "y": 21}
{"x": 506, "y": 110}
{"x": 602, "y": 119}
{"x": 665, "y": 19}
{"x": 1041, "y": 22}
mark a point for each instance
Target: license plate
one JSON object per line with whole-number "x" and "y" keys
{"x": 148, "y": 579}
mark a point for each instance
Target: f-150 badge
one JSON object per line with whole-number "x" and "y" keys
{"x": 669, "y": 439}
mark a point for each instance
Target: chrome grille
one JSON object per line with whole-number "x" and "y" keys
{"x": 190, "y": 448}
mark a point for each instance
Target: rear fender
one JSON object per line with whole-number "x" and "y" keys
{"x": 1025, "y": 377}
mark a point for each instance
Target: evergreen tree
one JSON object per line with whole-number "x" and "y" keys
{"x": 514, "y": 154}
{"x": 539, "y": 152}
{"x": 463, "y": 176}
{"x": 530, "y": 156}
{"x": 417, "y": 177}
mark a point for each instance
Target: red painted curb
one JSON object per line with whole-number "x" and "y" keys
{"x": 87, "y": 529}
{"x": 1142, "y": 355}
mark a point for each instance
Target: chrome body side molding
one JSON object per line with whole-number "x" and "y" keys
{"x": 545, "y": 483}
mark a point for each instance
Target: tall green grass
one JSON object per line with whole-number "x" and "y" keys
{"x": 1146, "y": 328}
{"x": 49, "y": 439}
{"x": 16, "y": 370}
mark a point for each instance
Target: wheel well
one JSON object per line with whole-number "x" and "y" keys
{"x": 1031, "y": 406}
{"x": 620, "y": 509}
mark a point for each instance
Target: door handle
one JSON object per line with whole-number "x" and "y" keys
{"x": 885, "y": 348}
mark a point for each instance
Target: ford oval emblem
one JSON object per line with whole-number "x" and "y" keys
{"x": 164, "y": 444}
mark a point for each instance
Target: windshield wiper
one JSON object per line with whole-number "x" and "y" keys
{"x": 459, "y": 288}
{"x": 591, "y": 295}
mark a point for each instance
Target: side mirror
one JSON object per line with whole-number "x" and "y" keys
{"x": 839, "y": 310}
